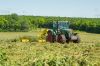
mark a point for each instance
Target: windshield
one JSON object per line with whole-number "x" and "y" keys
{"x": 61, "y": 25}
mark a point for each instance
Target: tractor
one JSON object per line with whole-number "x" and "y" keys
{"x": 60, "y": 32}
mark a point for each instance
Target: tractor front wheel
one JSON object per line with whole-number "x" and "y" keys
{"x": 77, "y": 40}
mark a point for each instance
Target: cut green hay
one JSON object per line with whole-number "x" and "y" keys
{"x": 16, "y": 35}
{"x": 97, "y": 44}
{"x": 50, "y": 54}
{"x": 3, "y": 57}
{"x": 86, "y": 53}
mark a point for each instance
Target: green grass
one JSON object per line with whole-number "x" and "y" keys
{"x": 87, "y": 53}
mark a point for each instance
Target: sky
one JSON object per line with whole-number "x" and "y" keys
{"x": 63, "y": 8}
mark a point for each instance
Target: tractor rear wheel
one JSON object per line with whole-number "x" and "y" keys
{"x": 61, "y": 39}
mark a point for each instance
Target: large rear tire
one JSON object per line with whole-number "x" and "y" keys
{"x": 61, "y": 39}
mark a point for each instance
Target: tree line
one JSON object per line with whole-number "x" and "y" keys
{"x": 17, "y": 23}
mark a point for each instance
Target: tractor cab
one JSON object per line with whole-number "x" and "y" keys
{"x": 56, "y": 25}
{"x": 61, "y": 25}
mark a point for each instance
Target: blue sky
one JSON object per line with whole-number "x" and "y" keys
{"x": 66, "y": 8}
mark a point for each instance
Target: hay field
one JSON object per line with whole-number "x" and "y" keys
{"x": 87, "y": 53}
